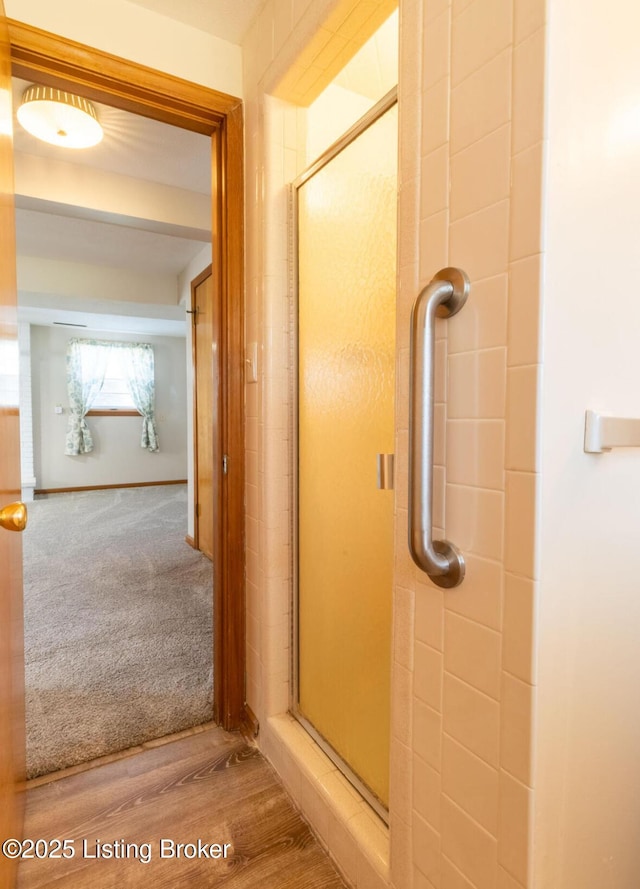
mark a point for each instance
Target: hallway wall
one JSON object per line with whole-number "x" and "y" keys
{"x": 588, "y": 726}
{"x": 471, "y": 131}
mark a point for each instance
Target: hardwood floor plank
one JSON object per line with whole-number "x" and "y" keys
{"x": 211, "y": 787}
{"x": 107, "y": 790}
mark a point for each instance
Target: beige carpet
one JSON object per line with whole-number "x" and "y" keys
{"x": 118, "y": 624}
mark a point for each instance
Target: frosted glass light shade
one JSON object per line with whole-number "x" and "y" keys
{"x": 59, "y": 118}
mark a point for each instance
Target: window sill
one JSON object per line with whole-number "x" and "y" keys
{"x": 116, "y": 412}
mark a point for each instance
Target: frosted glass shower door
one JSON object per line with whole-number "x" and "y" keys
{"x": 346, "y": 214}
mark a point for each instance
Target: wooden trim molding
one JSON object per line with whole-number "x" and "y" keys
{"x": 229, "y": 631}
{"x": 116, "y": 412}
{"x": 190, "y": 541}
{"x": 52, "y": 60}
{"x": 250, "y": 727}
{"x": 204, "y": 274}
{"x": 177, "y": 481}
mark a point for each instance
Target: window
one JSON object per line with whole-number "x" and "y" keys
{"x": 115, "y": 394}
{"x": 127, "y": 370}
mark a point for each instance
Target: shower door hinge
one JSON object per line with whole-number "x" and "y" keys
{"x": 225, "y": 464}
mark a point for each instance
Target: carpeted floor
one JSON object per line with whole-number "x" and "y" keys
{"x": 118, "y": 624}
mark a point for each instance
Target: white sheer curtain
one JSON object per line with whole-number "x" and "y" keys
{"x": 86, "y": 365}
{"x": 141, "y": 382}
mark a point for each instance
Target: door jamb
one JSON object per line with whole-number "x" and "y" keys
{"x": 52, "y": 60}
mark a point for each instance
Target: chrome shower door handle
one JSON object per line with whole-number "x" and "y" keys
{"x": 445, "y": 295}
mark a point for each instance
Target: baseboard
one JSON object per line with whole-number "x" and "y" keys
{"x": 176, "y": 481}
{"x": 249, "y": 725}
{"x": 189, "y": 539}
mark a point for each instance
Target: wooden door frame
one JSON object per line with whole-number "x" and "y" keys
{"x": 46, "y": 58}
{"x": 204, "y": 274}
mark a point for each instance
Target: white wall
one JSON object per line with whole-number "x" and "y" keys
{"x": 588, "y": 727}
{"x": 86, "y": 281}
{"x": 330, "y": 116}
{"x": 133, "y": 32}
{"x": 117, "y": 457}
{"x": 26, "y": 412}
{"x": 90, "y": 193}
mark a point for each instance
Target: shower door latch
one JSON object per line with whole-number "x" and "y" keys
{"x": 386, "y": 467}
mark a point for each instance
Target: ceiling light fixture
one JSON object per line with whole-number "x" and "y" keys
{"x": 59, "y": 118}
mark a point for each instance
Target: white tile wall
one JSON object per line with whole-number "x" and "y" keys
{"x": 471, "y": 134}
{"x": 480, "y": 198}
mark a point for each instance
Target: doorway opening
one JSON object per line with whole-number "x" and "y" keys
{"x": 43, "y": 58}
{"x": 117, "y": 605}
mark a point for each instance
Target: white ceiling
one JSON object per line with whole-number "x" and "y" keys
{"x": 71, "y": 239}
{"x": 134, "y": 147}
{"x": 227, "y": 19}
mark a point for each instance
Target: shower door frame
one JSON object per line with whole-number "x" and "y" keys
{"x": 374, "y": 114}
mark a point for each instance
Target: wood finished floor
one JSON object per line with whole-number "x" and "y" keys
{"x": 210, "y": 786}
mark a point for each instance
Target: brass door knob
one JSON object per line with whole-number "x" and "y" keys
{"x": 14, "y": 517}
